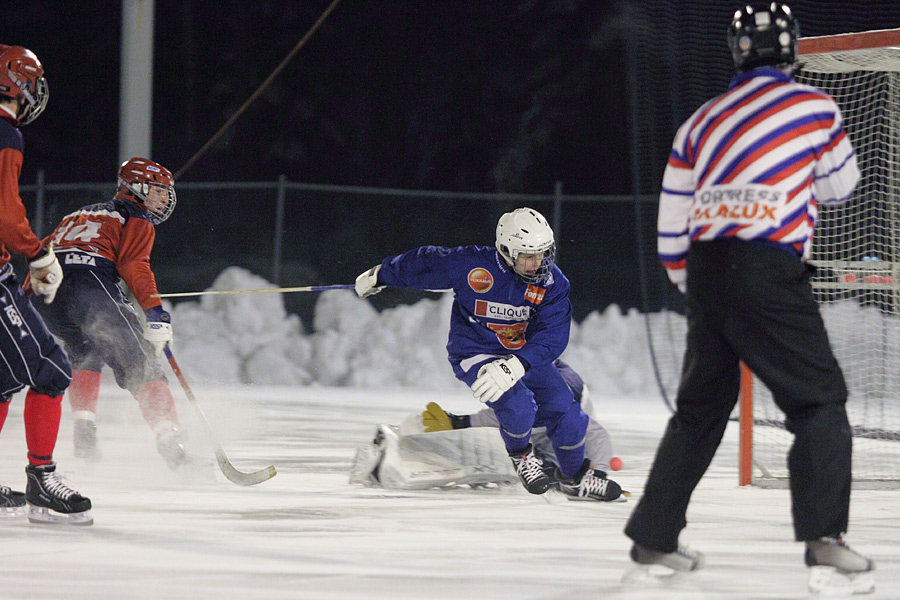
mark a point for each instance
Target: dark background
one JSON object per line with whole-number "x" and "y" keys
{"x": 457, "y": 95}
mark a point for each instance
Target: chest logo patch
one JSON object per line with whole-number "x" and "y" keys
{"x": 480, "y": 280}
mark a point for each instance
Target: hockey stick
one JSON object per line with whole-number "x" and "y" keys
{"x": 309, "y": 288}
{"x": 232, "y": 474}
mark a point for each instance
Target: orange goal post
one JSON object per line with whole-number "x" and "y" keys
{"x": 856, "y": 253}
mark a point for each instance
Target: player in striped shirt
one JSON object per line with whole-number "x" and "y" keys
{"x": 739, "y": 201}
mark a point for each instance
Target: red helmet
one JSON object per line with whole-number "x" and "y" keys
{"x": 149, "y": 184}
{"x": 22, "y": 76}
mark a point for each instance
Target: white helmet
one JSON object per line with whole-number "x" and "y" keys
{"x": 526, "y": 231}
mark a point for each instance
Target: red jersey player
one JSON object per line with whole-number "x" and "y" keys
{"x": 98, "y": 246}
{"x": 30, "y": 356}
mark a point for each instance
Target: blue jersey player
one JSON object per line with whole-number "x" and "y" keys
{"x": 510, "y": 320}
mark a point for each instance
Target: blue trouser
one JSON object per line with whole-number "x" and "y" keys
{"x": 30, "y": 355}
{"x": 540, "y": 399}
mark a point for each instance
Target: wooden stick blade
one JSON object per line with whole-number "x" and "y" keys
{"x": 239, "y": 477}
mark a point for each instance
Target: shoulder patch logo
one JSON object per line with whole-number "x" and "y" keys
{"x": 534, "y": 294}
{"x": 480, "y": 280}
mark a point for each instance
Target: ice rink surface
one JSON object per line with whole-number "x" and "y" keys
{"x": 309, "y": 534}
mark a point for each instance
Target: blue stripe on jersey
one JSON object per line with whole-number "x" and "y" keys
{"x": 672, "y": 235}
{"x": 762, "y": 141}
{"x": 677, "y": 192}
{"x": 728, "y": 139}
{"x": 713, "y": 120}
{"x": 777, "y": 168}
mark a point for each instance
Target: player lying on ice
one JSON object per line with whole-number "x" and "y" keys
{"x": 435, "y": 448}
{"x": 509, "y": 321}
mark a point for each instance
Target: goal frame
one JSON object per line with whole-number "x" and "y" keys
{"x": 846, "y": 42}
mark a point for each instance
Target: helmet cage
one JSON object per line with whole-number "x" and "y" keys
{"x": 36, "y": 101}
{"x": 140, "y": 190}
{"x": 526, "y": 231}
{"x": 24, "y": 78}
{"x": 138, "y": 177}
{"x": 767, "y": 37}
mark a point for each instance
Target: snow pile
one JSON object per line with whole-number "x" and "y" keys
{"x": 250, "y": 338}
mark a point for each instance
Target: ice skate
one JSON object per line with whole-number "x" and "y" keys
{"x": 50, "y": 500}
{"x": 662, "y": 567}
{"x": 12, "y": 503}
{"x": 170, "y": 446}
{"x": 85, "y": 439}
{"x": 834, "y": 568}
{"x": 530, "y": 471}
{"x": 589, "y": 484}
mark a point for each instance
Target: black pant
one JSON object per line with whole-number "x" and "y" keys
{"x": 750, "y": 302}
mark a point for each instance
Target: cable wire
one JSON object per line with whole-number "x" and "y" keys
{"x": 259, "y": 90}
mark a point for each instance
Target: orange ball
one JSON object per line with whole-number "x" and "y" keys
{"x": 615, "y": 463}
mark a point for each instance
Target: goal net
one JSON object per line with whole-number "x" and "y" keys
{"x": 856, "y": 251}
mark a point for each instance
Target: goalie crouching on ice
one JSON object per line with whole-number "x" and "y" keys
{"x": 509, "y": 322}
{"x": 436, "y": 448}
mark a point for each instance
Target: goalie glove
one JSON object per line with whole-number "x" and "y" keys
{"x": 496, "y": 377}
{"x": 46, "y": 274}
{"x": 435, "y": 418}
{"x": 158, "y": 329}
{"x": 367, "y": 283}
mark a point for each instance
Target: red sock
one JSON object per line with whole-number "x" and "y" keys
{"x": 4, "y": 409}
{"x": 157, "y": 403}
{"x": 42, "y": 415}
{"x": 84, "y": 391}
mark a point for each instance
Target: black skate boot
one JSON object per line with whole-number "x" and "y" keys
{"x": 835, "y": 568}
{"x": 85, "y": 438}
{"x": 530, "y": 470}
{"x": 50, "y": 500}
{"x": 589, "y": 484}
{"x": 683, "y": 559}
{"x": 12, "y": 503}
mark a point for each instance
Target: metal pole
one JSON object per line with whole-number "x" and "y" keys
{"x": 38, "y": 221}
{"x": 136, "y": 79}
{"x": 279, "y": 229}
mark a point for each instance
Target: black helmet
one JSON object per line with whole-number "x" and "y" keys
{"x": 759, "y": 37}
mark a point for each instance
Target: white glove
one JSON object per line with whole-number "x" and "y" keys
{"x": 367, "y": 283}
{"x": 46, "y": 275}
{"x": 158, "y": 329}
{"x": 496, "y": 377}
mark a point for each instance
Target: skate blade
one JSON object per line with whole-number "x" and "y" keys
{"x": 12, "y": 512}
{"x": 654, "y": 575}
{"x": 44, "y": 515}
{"x": 829, "y": 581}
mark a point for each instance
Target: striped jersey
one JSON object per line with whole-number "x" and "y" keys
{"x": 754, "y": 164}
